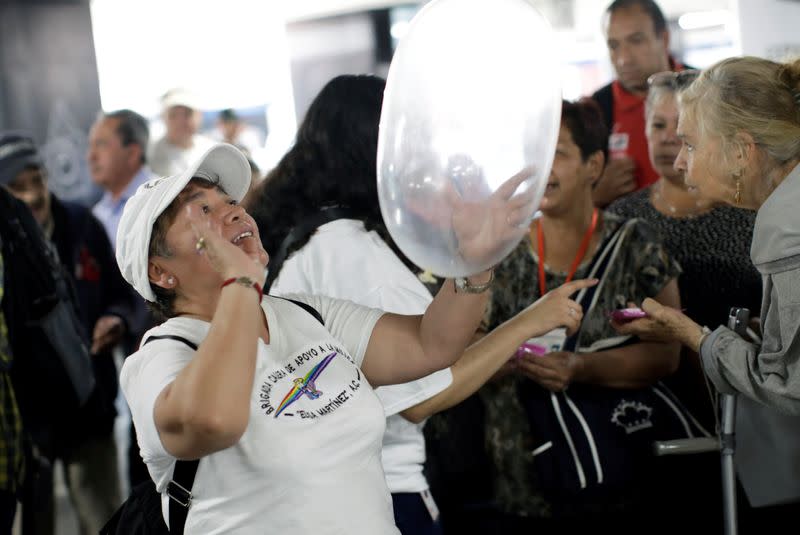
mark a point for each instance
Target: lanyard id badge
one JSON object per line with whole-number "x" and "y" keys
{"x": 544, "y": 344}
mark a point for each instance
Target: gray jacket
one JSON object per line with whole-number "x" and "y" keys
{"x": 770, "y": 373}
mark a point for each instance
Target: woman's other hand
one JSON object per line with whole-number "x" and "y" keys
{"x": 553, "y": 371}
{"x": 556, "y": 309}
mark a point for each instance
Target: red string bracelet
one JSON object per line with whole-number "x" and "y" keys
{"x": 245, "y": 281}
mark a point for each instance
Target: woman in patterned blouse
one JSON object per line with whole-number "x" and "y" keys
{"x": 572, "y": 239}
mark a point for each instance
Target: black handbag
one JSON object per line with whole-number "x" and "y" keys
{"x": 590, "y": 439}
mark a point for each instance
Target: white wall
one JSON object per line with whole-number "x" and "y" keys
{"x": 233, "y": 54}
{"x": 769, "y": 28}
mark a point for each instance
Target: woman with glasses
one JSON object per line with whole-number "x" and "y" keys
{"x": 711, "y": 241}
{"x": 740, "y": 131}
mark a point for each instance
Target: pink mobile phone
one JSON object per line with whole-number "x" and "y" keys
{"x": 529, "y": 348}
{"x": 628, "y": 314}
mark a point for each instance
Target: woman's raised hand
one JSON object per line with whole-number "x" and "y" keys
{"x": 482, "y": 228}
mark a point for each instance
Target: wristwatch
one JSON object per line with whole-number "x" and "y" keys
{"x": 463, "y": 285}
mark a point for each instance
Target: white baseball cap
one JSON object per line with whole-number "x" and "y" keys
{"x": 222, "y": 164}
{"x": 180, "y": 96}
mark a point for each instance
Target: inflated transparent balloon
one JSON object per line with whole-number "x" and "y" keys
{"x": 468, "y": 131}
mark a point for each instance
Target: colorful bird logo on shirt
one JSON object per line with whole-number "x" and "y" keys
{"x": 305, "y": 385}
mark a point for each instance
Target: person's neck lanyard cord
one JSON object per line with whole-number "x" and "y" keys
{"x": 584, "y": 247}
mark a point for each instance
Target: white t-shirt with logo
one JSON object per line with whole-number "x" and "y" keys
{"x": 344, "y": 261}
{"x": 309, "y": 460}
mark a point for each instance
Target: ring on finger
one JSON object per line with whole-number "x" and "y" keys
{"x": 200, "y": 245}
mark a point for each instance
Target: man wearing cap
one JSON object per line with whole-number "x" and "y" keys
{"x": 235, "y": 131}
{"x": 88, "y": 451}
{"x": 181, "y": 145}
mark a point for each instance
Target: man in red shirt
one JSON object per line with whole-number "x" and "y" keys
{"x": 638, "y": 45}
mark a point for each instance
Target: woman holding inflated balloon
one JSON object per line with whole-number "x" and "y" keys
{"x": 276, "y": 402}
{"x": 570, "y": 430}
{"x": 712, "y": 244}
{"x": 275, "y": 398}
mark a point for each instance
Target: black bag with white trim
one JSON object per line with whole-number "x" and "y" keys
{"x": 590, "y": 439}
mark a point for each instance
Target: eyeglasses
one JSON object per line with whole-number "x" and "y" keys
{"x": 674, "y": 80}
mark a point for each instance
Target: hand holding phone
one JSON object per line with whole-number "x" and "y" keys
{"x": 530, "y": 348}
{"x": 625, "y": 315}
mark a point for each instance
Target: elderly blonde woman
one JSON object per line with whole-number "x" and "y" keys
{"x": 740, "y": 131}
{"x": 711, "y": 242}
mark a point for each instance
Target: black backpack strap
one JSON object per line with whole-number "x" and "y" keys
{"x": 597, "y": 269}
{"x": 171, "y": 337}
{"x": 302, "y": 230}
{"x": 308, "y": 308}
{"x": 179, "y": 489}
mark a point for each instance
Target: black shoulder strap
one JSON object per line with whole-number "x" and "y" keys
{"x": 171, "y": 337}
{"x": 301, "y": 231}
{"x": 308, "y": 308}
{"x": 597, "y": 269}
{"x": 179, "y": 489}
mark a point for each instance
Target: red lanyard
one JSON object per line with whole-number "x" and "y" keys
{"x": 578, "y": 257}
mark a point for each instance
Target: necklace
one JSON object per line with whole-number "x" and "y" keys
{"x": 658, "y": 199}
{"x": 584, "y": 246}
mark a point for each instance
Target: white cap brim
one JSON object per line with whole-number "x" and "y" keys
{"x": 222, "y": 164}
{"x": 181, "y": 97}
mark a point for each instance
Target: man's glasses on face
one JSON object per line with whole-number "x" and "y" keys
{"x": 674, "y": 80}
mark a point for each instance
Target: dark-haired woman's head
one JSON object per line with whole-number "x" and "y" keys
{"x": 332, "y": 163}
{"x": 579, "y": 159}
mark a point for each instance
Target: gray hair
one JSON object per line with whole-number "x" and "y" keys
{"x": 748, "y": 94}
{"x": 132, "y": 129}
{"x": 654, "y": 96}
